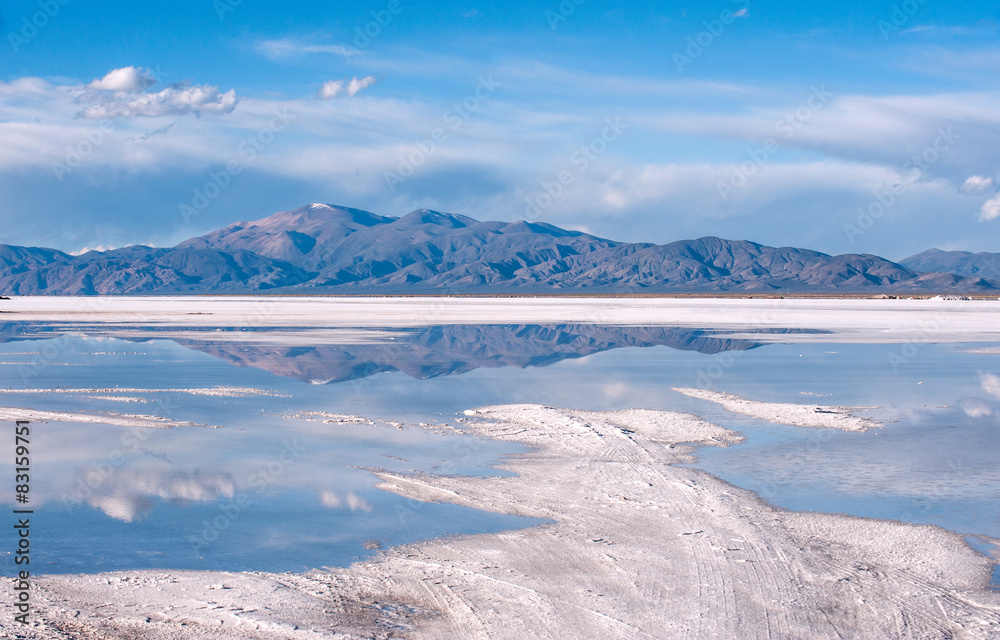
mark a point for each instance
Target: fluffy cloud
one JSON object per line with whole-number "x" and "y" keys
{"x": 126, "y": 79}
{"x": 991, "y": 209}
{"x": 172, "y": 101}
{"x": 355, "y": 85}
{"x": 100, "y": 247}
{"x": 332, "y": 88}
{"x": 977, "y": 184}
{"x": 124, "y": 93}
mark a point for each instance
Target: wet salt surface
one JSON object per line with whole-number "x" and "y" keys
{"x": 119, "y": 498}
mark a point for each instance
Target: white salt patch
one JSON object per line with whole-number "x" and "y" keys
{"x": 223, "y": 392}
{"x": 799, "y": 415}
{"x": 329, "y": 418}
{"x": 11, "y": 414}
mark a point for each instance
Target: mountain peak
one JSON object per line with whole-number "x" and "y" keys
{"x": 317, "y": 212}
{"x": 430, "y": 217}
{"x": 290, "y": 235}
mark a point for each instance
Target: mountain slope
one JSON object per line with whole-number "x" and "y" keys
{"x": 15, "y": 260}
{"x": 962, "y": 263}
{"x": 325, "y": 249}
{"x": 144, "y": 269}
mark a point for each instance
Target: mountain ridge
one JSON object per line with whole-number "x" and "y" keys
{"x": 964, "y": 263}
{"x": 322, "y": 248}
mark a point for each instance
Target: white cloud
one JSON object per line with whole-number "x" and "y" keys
{"x": 126, "y": 79}
{"x": 695, "y": 187}
{"x": 890, "y": 130}
{"x": 742, "y": 13}
{"x": 990, "y": 384}
{"x": 922, "y": 28}
{"x": 285, "y": 48}
{"x": 977, "y": 184}
{"x": 172, "y": 101}
{"x": 357, "y": 85}
{"x": 100, "y": 248}
{"x": 332, "y": 88}
{"x": 991, "y": 209}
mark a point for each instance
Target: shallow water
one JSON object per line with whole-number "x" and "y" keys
{"x": 273, "y": 492}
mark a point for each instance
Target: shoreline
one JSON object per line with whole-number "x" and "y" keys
{"x": 817, "y": 320}
{"x": 638, "y": 548}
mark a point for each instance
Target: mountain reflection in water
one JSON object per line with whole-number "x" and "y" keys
{"x": 425, "y": 352}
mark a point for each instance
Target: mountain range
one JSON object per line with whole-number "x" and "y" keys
{"x": 326, "y": 249}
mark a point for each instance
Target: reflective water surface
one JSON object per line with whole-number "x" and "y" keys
{"x": 283, "y": 481}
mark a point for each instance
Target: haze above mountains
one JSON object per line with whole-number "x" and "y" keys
{"x": 326, "y": 249}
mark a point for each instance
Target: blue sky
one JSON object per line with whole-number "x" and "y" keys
{"x": 843, "y": 127}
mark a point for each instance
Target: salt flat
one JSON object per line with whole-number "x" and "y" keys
{"x": 848, "y": 320}
{"x": 638, "y": 549}
{"x": 637, "y": 546}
